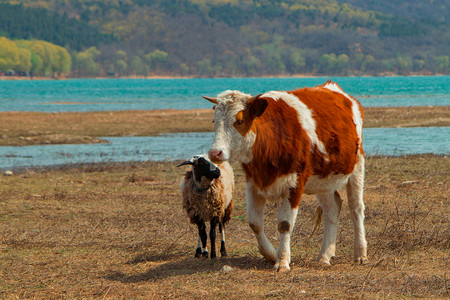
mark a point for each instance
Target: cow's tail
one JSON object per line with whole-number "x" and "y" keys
{"x": 318, "y": 217}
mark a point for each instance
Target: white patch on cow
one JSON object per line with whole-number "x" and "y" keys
{"x": 357, "y": 118}
{"x": 305, "y": 116}
{"x": 329, "y": 184}
{"x": 227, "y": 138}
{"x": 280, "y": 188}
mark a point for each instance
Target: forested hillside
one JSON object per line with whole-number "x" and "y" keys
{"x": 240, "y": 37}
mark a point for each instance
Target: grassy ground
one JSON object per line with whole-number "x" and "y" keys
{"x": 30, "y": 128}
{"x": 118, "y": 231}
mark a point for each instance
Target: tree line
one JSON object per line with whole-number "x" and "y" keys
{"x": 36, "y": 57}
{"x": 249, "y": 38}
{"x": 19, "y": 22}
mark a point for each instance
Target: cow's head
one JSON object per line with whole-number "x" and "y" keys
{"x": 233, "y": 120}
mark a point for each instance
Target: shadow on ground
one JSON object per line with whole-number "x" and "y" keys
{"x": 185, "y": 266}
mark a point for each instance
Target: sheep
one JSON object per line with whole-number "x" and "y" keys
{"x": 207, "y": 195}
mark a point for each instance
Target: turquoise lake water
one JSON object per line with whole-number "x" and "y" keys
{"x": 131, "y": 94}
{"x": 377, "y": 141}
{"x": 148, "y": 94}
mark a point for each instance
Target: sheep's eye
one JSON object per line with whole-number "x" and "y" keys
{"x": 212, "y": 121}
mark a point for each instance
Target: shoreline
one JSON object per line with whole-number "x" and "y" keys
{"x": 169, "y": 77}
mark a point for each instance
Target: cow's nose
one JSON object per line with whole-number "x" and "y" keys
{"x": 216, "y": 155}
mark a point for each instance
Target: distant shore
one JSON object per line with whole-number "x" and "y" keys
{"x": 13, "y": 78}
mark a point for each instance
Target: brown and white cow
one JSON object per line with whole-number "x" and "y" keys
{"x": 289, "y": 143}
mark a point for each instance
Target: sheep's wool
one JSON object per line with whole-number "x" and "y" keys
{"x": 205, "y": 202}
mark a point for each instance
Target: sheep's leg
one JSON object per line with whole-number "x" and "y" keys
{"x": 255, "y": 216}
{"x": 223, "y": 250}
{"x": 202, "y": 250}
{"x": 331, "y": 207}
{"x": 212, "y": 236}
{"x": 356, "y": 205}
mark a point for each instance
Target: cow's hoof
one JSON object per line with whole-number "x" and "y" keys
{"x": 281, "y": 268}
{"x": 205, "y": 254}
{"x": 198, "y": 252}
{"x": 325, "y": 262}
{"x": 362, "y": 260}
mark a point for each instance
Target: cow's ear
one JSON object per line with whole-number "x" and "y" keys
{"x": 257, "y": 106}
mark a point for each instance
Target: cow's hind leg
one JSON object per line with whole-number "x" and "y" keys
{"x": 255, "y": 216}
{"x": 356, "y": 205}
{"x": 331, "y": 207}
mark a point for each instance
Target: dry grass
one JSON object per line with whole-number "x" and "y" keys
{"x": 118, "y": 231}
{"x": 29, "y": 128}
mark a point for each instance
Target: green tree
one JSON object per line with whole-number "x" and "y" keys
{"x": 342, "y": 64}
{"x": 137, "y": 66}
{"x": 86, "y": 64}
{"x": 252, "y": 64}
{"x": 296, "y": 62}
{"x": 9, "y": 54}
{"x": 327, "y": 63}
{"x": 156, "y": 59}
{"x": 120, "y": 63}
{"x": 272, "y": 58}
{"x": 46, "y": 58}
{"x": 205, "y": 67}
{"x": 63, "y": 61}
{"x": 184, "y": 69}
{"x": 442, "y": 63}
{"x": 367, "y": 63}
{"x": 24, "y": 64}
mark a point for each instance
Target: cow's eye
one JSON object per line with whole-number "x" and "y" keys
{"x": 239, "y": 122}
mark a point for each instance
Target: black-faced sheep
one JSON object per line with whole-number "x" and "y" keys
{"x": 207, "y": 194}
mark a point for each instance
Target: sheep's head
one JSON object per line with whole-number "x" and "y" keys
{"x": 202, "y": 168}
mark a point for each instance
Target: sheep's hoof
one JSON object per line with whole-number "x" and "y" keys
{"x": 205, "y": 254}
{"x": 223, "y": 251}
{"x": 198, "y": 252}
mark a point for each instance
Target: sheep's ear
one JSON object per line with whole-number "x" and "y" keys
{"x": 187, "y": 162}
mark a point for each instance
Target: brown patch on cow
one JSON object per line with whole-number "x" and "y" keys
{"x": 245, "y": 118}
{"x": 335, "y": 127}
{"x": 283, "y": 227}
{"x": 281, "y": 147}
{"x": 242, "y": 123}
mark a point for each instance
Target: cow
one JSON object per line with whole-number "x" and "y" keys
{"x": 306, "y": 141}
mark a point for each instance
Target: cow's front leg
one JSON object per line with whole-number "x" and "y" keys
{"x": 255, "y": 216}
{"x": 287, "y": 214}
